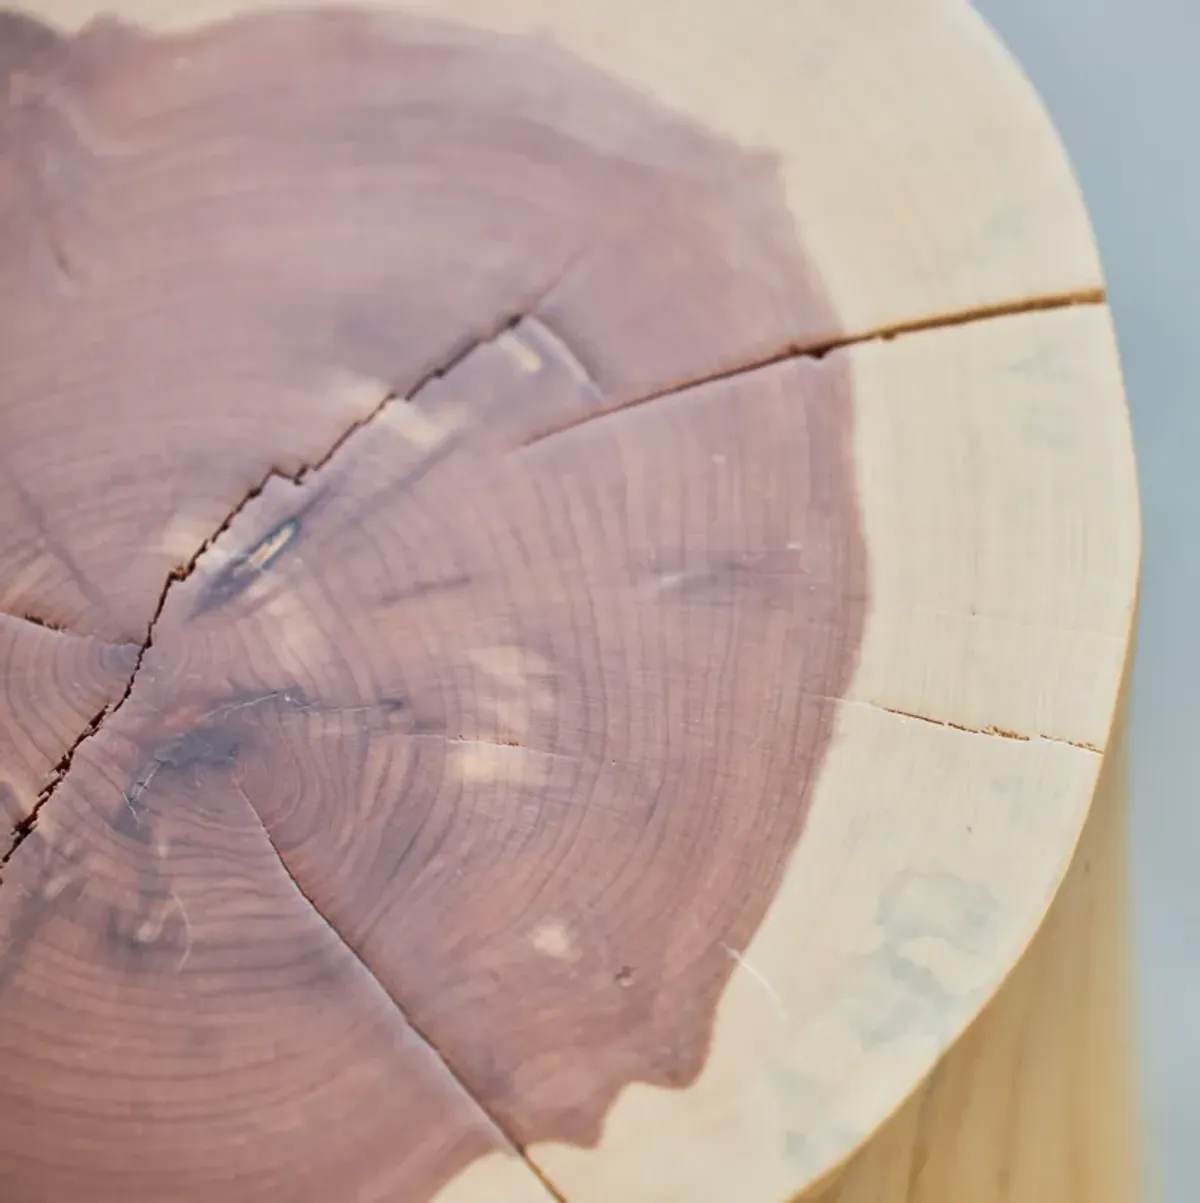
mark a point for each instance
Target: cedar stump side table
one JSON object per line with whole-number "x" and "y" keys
{"x": 567, "y": 571}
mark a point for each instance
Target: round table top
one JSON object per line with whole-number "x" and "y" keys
{"x": 565, "y": 572}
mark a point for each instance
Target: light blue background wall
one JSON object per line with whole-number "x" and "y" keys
{"x": 1122, "y": 81}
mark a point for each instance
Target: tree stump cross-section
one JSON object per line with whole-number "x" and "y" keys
{"x": 560, "y": 617}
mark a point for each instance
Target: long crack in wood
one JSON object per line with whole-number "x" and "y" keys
{"x": 24, "y": 828}
{"x": 22, "y": 831}
{"x": 819, "y": 350}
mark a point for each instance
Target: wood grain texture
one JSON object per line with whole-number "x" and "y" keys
{"x": 54, "y": 686}
{"x": 937, "y": 837}
{"x": 428, "y": 683}
{"x": 596, "y": 544}
{"x": 294, "y": 291}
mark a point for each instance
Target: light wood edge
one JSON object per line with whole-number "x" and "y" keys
{"x": 924, "y": 176}
{"x": 932, "y": 853}
{"x": 496, "y": 1178}
{"x": 1037, "y": 1101}
{"x": 1000, "y": 508}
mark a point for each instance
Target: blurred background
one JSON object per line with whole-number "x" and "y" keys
{"x": 1121, "y": 79}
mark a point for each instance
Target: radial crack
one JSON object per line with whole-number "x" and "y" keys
{"x": 22, "y": 830}
{"x": 819, "y": 350}
{"x": 429, "y": 1046}
{"x": 993, "y": 731}
{"x": 46, "y": 624}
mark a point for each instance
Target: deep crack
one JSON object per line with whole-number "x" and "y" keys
{"x": 20, "y": 830}
{"x": 23, "y": 829}
{"x": 819, "y": 350}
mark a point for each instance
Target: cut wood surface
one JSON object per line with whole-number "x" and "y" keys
{"x": 565, "y": 572}
{"x": 1036, "y": 1101}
